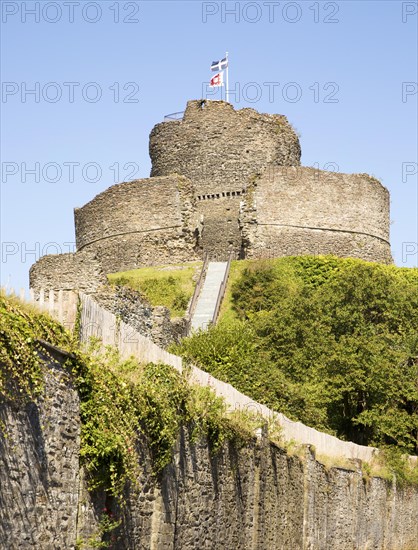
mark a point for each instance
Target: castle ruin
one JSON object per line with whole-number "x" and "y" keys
{"x": 222, "y": 182}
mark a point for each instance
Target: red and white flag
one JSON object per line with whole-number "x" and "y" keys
{"x": 217, "y": 80}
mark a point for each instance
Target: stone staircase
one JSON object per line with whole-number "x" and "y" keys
{"x": 206, "y": 303}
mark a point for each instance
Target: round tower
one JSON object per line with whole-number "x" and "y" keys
{"x": 221, "y": 151}
{"x": 139, "y": 223}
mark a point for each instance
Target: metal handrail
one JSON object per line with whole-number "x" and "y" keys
{"x": 222, "y": 289}
{"x": 198, "y": 287}
{"x": 174, "y": 116}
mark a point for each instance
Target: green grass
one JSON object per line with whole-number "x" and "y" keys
{"x": 227, "y": 314}
{"x": 170, "y": 286}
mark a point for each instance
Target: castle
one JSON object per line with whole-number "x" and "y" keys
{"x": 222, "y": 182}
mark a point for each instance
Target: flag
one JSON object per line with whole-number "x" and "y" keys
{"x": 219, "y": 65}
{"x": 217, "y": 80}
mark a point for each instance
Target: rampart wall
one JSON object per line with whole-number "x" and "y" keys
{"x": 140, "y": 223}
{"x": 299, "y": 210}
{"x": 130, "y": 307}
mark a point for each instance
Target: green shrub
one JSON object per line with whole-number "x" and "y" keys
{"x": 331, "y": 342}
{"x": 119, "y": 400}
{"x": 20, "y": 327}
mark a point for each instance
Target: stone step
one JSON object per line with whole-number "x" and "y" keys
{"x": 206, "y": 303}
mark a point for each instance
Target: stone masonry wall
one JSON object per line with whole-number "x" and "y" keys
{"x": 39, "y": 468}
{"x": 260, "y": 498}
{"x": 79, "y": 271}
{"x": 140, "y": 223}
{"x": 153, "y": 322}
{"x": 221, "y": 232}
{"x": 299, "y": 210}
{"x": 220, "y": 149}
{"x": 251, "y": 498}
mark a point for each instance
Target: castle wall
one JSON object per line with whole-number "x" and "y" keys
{"x": 163, "y": 247}
{"x": 79, "y": 271}
{"x": 221, "y": 233}
{"x": 299, "y": 210}
{"x": 220, "y": 149}
{"x": 140, "y": 223}
{"x": 222, "y": 180}
{"x": 251, "y": 497}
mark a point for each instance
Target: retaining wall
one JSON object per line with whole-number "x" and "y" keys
{"x": 255, "y": 497}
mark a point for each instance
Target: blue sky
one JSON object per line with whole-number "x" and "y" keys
{"x": 103, "y": 73}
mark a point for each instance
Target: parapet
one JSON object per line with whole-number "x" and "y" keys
{"x": 221, "y": 149}
{"x": 139, "y": 223}
{"x": 300, "y": 210}
{"x": 79, "y": 271}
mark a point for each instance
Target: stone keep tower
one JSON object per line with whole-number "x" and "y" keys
{"x": 222, "y": 151}
{"x": 222, "y": 181}
{"x": 254, "y": 197}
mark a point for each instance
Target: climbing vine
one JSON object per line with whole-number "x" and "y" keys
{"x": 119, "y": 400}
{"x": 20, "y": 354}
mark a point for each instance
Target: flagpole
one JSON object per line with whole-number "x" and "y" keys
{"x": 227, "y": 79}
